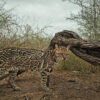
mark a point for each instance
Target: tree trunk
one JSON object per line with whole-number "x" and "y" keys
{"x": 86, "y": 50}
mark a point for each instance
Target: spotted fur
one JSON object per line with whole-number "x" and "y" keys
{"x": 14, "y": 61}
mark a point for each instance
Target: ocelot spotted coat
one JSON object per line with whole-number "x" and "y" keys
{"x": 13, "y": 61}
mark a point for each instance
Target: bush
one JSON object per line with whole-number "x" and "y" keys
{"x": 74, "y": 63}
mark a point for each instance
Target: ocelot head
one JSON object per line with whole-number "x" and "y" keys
{"x": 60, "y": 52}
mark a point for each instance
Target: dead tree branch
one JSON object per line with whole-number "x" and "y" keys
{"x": 86, "y": 50}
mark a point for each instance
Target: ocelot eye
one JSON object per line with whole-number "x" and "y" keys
{"x": 50, "y": 69}
{"x": 60, "y": 54}
{"x": 1, "y": 61}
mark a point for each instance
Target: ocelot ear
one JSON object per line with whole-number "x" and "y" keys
{"x": 57, "y": 49}
{"x": 68, "y": 47}
{"x": 56, "y": 46}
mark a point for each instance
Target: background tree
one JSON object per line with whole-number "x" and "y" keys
{"x": 8, "y": 22}
{"x": 88, "y": 18}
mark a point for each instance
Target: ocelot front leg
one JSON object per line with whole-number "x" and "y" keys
{"x": 11, "y": 81}
{"x": 45, "y": 79}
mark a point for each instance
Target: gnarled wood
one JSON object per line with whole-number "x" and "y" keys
{"x": 86, "y": 50}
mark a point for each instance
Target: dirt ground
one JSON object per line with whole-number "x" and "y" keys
{"x": 64, "y": 85}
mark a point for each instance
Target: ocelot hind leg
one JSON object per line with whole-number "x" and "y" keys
{"x": 45, "y": 80}
{"x": 11, "y": 81}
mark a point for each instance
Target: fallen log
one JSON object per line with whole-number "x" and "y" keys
{"x": 86, "y": 50}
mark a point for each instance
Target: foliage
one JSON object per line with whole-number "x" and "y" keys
{"x": 74, "y": 63}
{"x": 8, "y": 24}
{"x": 88, "y": 18}
{"x": 13, "y": 34}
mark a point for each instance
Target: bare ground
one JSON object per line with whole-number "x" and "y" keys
{"x": 64, "y": 85}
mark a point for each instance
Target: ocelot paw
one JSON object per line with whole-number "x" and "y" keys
{"x": 46, "y": 89}
{"x": 15, "y": 88}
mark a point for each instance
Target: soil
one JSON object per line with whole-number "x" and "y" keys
{"x": 64, "y": 85}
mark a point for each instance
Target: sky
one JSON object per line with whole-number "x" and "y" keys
{"x": 44, "y": 13}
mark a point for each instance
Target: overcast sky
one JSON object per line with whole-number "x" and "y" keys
{"x": 44, "y": 13}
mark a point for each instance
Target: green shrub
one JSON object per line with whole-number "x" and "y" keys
{"x": 74, "y": 63}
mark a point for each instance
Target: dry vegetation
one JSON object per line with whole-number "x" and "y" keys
{"x": 73, "y": 79}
